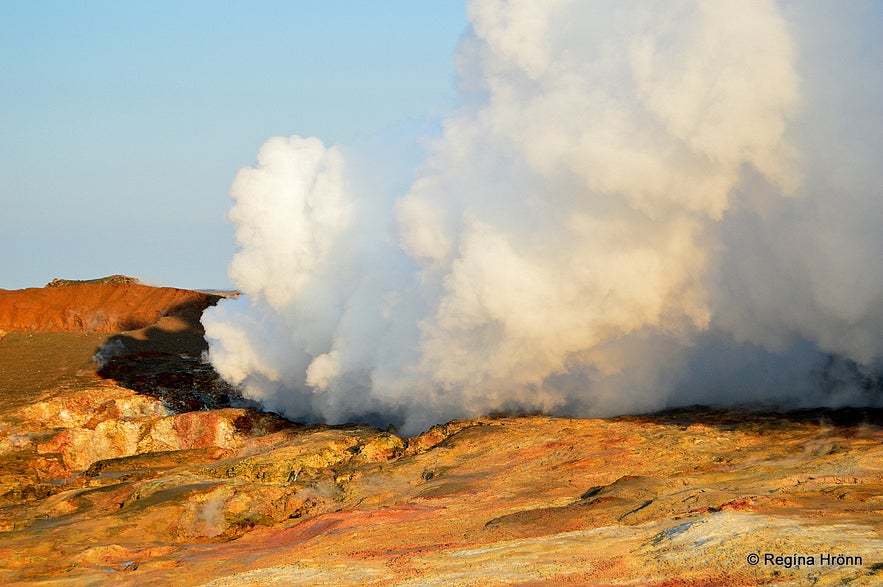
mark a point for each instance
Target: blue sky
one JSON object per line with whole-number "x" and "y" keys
{"x": 124, "y": 123}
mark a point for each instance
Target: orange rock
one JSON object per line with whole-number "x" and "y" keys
{"x": 98, "y": 307}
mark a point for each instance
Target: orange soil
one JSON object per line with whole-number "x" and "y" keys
{"x": 95, "y": 307}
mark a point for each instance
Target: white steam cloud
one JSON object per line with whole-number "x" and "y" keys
{"x": 638, "y": 204}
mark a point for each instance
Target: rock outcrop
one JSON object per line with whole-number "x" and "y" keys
{"x": 109, "y": 280}
{"x": 95, "y": 307}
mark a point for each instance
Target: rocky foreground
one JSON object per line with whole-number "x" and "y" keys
{"x": 144, "y": 469}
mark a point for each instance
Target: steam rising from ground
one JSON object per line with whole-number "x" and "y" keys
{"x": 638, "y": 204}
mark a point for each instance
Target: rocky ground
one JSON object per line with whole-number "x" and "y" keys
{"x": 144, "y": 469}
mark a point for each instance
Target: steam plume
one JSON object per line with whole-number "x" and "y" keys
{"x": 638, "y": 204}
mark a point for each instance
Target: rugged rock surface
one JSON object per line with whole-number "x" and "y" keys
{"x": 109, "y": 481}
{"x": 109, "y": 280}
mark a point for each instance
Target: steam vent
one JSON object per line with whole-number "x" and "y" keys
{"x": 527, "y": 293}
{"x": 127, "y": 460}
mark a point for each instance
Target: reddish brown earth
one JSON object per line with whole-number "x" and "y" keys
{"x": 158, "y": 474}
{"x": 95, "y": 307}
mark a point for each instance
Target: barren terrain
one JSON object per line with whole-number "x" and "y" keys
{"x": 144, "y": 469}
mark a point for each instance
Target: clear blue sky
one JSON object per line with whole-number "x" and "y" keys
{"x": 122, "y": 124}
